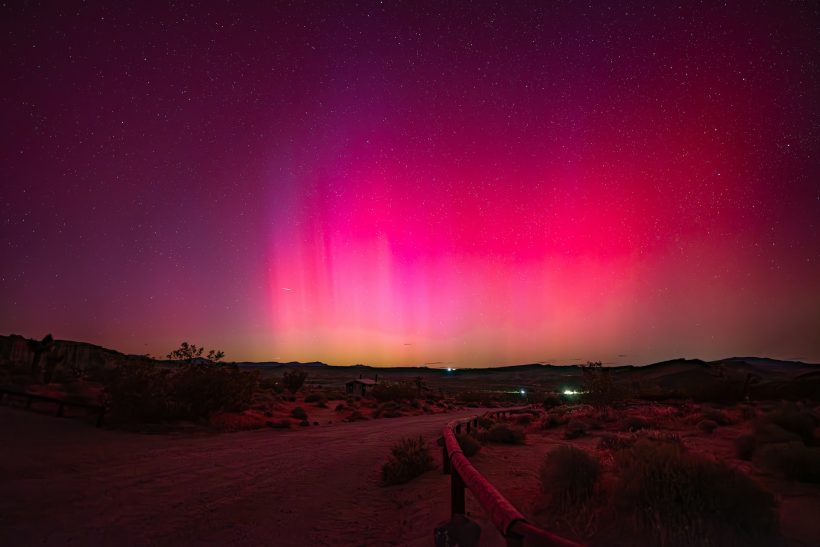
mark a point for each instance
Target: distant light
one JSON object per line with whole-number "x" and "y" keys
{"x": 448, "y": 369}
{"x": 571, "y": 392}
{"x": 523, "y": 392}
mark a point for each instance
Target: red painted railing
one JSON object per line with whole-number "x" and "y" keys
{"x": 505, "y": 517}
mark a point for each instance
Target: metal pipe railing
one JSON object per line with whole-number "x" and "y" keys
{"x": 505, "y": 517}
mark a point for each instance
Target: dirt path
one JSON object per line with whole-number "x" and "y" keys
{"x": 65, "y": 482}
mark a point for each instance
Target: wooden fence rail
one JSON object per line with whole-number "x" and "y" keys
{"x": 61, "y": 403}
{"x": 509, "y": 521}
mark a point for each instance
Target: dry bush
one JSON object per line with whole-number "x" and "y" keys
{"x": 409, "y": 458}
{"x": 202, "y": 389}
{"x": 340, "y": 407}
{"x": 666, "y": 497}
{"x": 281, "y": 424}
{"x": 293, "y": 379}
{"x": 707, "y": 426}
{"x": 715, "y": 415}
{"x": 504, "y": 434}
{"x": 745, "y": 446}
{"x": 394, "y": 391}
{"x": 616, "y": 442}
{"x": 299, "y": 413}
{"x": 390, "y": 409}
{"x": 635, "y": 423}
{"x": 553, "y": 419}
{"x": 469, "y": 445}
{"x": 791, "y": 418}
{"x": 313, "y": 398}
{"x": 576, "y": 428}
{"x": 356, "y": 416}
{"x": 569, "y": 480}
{"x": 792, "y": 460}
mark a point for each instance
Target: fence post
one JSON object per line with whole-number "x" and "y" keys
{"x": 445, "y": 458}
{"x": 456, "y": 494}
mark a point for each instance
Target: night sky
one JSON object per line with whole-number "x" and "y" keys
{"x": 393, "y": 183}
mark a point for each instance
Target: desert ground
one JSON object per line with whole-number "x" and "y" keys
{"x": 67, "y": 483}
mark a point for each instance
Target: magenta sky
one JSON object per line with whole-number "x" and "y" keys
{"x": 407, "y": 183}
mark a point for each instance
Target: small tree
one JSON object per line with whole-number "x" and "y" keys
{"x": 293, "y": 379}
{"x": 599, "y": 387}
{"x": 188, "y": 353}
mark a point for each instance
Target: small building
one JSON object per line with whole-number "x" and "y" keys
{"x": 359, "y": 386}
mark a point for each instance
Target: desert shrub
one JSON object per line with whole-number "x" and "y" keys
{"x": 792, "y": 460}
{"x": 409, "y": 458}
{"x": 523, "y": 419}
{"x": 505, "y": 435}
{"x": 791, "y": 418}
{"x": 393, "y": 391}
{"x": 299, "y": 413}
{"x": 569, "y": 476}
{"x": 769, "y": 433}
{"x": 635, "y": 423}
{"x": 575, "y": 429}
{"x": 469, "y": 445}
{"x": 293, "y": 379}
{"x": 616, "y": 442}
{"x": 662, "y": 437}
{"x": 667, "y": 497}
{"x": 271, "y": 384}
{"x": 717, "y": 416}
{"x": 485, "y": 422}
{"x": 390, "y": 409}
{"x": 745, "y": 446}
{"x": 356, "y": 416}
{"x": 551, "y": 400}
{"x": 553, "y": 420}
{"x": 599, "y": 387}
{"x": 139, "y": 393}
{"x": 304, "y": 423}
{"x": 281, "y": 424}
{"x": 313, "y": 398}
{"x": 707, "y": 426}
{"x": 340, "y": 407}
{"x": 202, "y": 389}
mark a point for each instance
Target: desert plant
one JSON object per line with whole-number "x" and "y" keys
{"x": 356, "y": 416}
{"x": 599, "y": 387}
{"x": 393, "y": 391}
{"x": 575, "y": 429}
{"x": 569, "y": 476}
{"x": 409, "y": 458}
{"x": 293, "y": 379}
{"x": 553, "y": 420}
{"x": 139, "y": 393}
{"x": 800, "y": 422}
{"x": 485, "y": 422}
{"x": 792, "y": 460}
{"x": 523, "y": 419}
{"x": 616, "y": 442}
{"x": 468, "y": 444}
{"x": 635, "y": 423}
{"x": 299, "y": 413}
{"x": 340, "y": 407}
{"x": 707, "y": 426}
{"x": 717, "y": 416}
{"x": 745, "y": 446}
{"x": 281, "y": 424}
{"x": 201, "y": 389}
{"x": 188, "y": 352}
{"x": 313, "y": 398}
{"x": 505, "y": 435}
{"x": 769, "y": 433}
{"x": 667, "y": 497}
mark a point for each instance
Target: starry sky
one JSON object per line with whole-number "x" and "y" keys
{"x": 395, "y": 183}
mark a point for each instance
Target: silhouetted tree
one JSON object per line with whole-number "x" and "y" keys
{"x": 188, "y": 353}
{"x": 293, "y": 379}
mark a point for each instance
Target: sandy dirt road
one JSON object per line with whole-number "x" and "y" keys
{"x": 63, "y": 482}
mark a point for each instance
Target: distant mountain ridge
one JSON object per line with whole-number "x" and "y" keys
{"x": 16, "y": 348}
